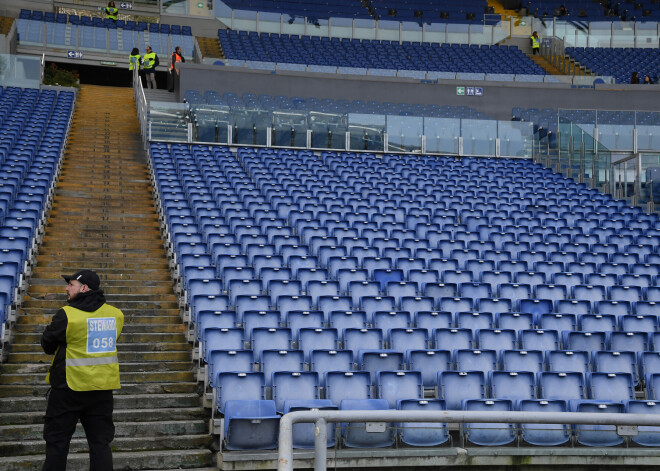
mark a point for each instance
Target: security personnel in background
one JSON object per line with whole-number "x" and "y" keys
{"x": 111, "y": 11}
{"x": 177, "y": 56}
{"x": 83, "y": 336}
{"x": 149, "y": 63}
{"x": 134, "y": 61}
{"x": 536, "y": 42}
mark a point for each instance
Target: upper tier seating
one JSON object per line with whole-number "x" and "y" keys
{"x": 321, "y": 217}
{"x": 95, "y": 33}
{"x": 619, "y": 62}
{"x": 34, "y": 125}
{"x": 375, "y": 54}
{"x": 586, "y": 10}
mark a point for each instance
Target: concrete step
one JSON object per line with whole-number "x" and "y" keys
{"x": 122, "y": 429}
{"x": 145, "y": 346}
{"x": 122, "y": 302}
{"x": 26, "y": 322}
{"x": 183, "y": 356}
{"x": 39, "y": 390}
{"x": 116, "y": 288}
{"x": 100, "y": 262}
{"x": 127, "y": 338}
{"x": 125, "y": 367}
{"x": 174, "y": 441}
{"x": 137, "y": 376}
{"x": 134, "y": 402}
{"x": 191, "y": 459}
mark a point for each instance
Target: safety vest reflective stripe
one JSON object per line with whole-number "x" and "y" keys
{"x": 91, "y": 361}
{"x": 535, "y": 41}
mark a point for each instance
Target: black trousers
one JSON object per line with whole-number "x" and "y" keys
{"x": 94, "y": 410}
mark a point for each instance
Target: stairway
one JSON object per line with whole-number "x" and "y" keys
{"x": 544, "y": 64}
{"x": 103, "y": 218}
{"x": 210, "y": 47}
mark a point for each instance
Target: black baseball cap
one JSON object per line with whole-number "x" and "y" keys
{"x": 86, "y": 277}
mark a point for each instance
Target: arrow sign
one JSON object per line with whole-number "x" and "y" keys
{"x": 74, "y": 54}
{"x": 126, "y": 5}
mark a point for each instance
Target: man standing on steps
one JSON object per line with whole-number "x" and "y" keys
{"x": 85, "y": 370}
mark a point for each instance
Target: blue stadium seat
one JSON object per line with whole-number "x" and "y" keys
{"x": 355, "y": 434}
{"x": 422, "y": 433}
{"x": 489, "y": 434}
{"x": 251, "y": 425}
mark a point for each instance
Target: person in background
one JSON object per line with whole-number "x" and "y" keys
{"x": 648, "y": 80}
{"x": 111, "y": 11}
{"x": 149, "y": 64}
{"x": 634, "y": 78}
{"x": 536, "y": 42}
{"x": 134, "y": 61}
{"x": 82, "y": 336}
{"x": 177, "y": 56}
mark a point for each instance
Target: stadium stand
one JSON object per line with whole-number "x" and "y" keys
{"x": 35, "y": 125}
{"x": 618, "y": 62}
{"x": 375, "y": 54}
{"x": 87, "y": 33}
{"x": 499, "y": 376}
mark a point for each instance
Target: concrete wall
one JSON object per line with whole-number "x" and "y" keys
{"x": 497, "y": 100}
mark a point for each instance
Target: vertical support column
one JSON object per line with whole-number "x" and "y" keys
{"x": 320, "y": 445}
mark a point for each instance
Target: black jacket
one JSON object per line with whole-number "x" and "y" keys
{"x": 55, "y": 334}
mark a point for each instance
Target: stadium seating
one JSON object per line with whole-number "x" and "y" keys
{"x": 549, "y": 349}
{"x": 359, "y": 55}
{"x": 35, "y": 125}
{"x": 85, "y": 33}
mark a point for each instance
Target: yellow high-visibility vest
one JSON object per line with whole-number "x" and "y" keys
{"x": 133, "y": 61}
{"x": 91, "y": 348}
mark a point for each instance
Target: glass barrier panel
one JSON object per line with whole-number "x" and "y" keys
{"x": 478, "y": 136}
{"x": 458, "y": 33}
{"x": 20, "y": 71}
{"x": 481, "y": 34}
{"x": 289, "y": 129}
{"x": 648, "y": 130}
{"x": 602, "y": 178}
{"x": 169, "y": 121}
{"x": 249, "y": 126}
{"x": 341, "y": 27}
{"x": 366, "y": 131}
{"x": 624, "y": 174}
{"x": 364, "y": 29}
{"x": 616, "y": 137}
{"x": 388, "y": 30}
{"x": 404, "y": 133}
{"x": 328, "y": 130}
{"x": 223, "y": 12}
{"x": 623, "y": 34}
{"x": 442, "y": 135}
{"x": 516, "y": 138}
{"x": 270, "y": 22}
{"x": 435, "y": 32}
{"x": 187, "y": 8}
{"x": 411, "y": 31}
{"x": 293, "y": 25}
{"x": 245, "y": 20}
{"x": 210, "y": 123}
{"x": 318, "y": 27}
{"x": 647, "y": 34}
{"x": 650, "y": 178}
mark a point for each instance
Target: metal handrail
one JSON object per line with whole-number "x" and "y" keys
{"x": 321, "y": 417}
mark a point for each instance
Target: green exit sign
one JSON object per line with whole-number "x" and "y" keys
{"x": 108, "y": 63}
{"x": 460, "y": 91}
{"x": 200, "y": 5}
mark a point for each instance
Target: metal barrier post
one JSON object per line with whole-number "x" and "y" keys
{"x": 320, "y": 444}
{"x": 285, "y": 447}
